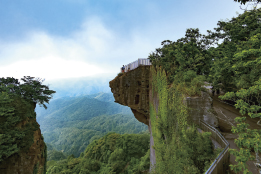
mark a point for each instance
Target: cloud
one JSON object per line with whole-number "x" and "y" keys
{"x": 97, "y": 49}
{"x": 91, "y": 51}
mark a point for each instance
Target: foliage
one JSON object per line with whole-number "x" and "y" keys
{"x": 55, "y": 155}
{"x": 44, "y": 155}
{"x": 247, "y": 138}
{"x": 237, "y": 59}
{"x": 17, "y": 103}
{"x": 75, "y": 139}
{"x": 178, "y": 149}
{"x": 185, "y": 58}
{"x": 213, "y": 157}
{"x": 234, "y": 66}
{"x": 76, "y": 109}
{"x": 199, "y": 147}
{"x": 73, "y": 136}
{"x": 113, "y": 153}
{"x": 237, "y": 68}
{"x": 31, "y": 90}
{"x": 15, "y": 139}
{"x": 244, "y": 1}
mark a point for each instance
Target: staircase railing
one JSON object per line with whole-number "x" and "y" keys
{"x": 220, "y": 165}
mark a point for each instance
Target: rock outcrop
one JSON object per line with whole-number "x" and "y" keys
{"x": 31, "y": 162}
{"x": 133, "y": 89}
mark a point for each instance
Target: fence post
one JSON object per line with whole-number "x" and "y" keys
{"x": 216, "y": 134}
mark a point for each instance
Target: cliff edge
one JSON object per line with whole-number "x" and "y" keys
{"x": 31, "y": 155}
{"x": 132, "y": 90}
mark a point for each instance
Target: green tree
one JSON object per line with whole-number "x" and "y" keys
{"x": 247, "y": 138}
{"x": 31, "y": 90}
{"x": 188, "y": 56}
{"x": 55, "y": 155}
{"x": 17, "y": 104}
{"x": 7, "y": 144}
{"x": 240, "y": 51}
{"x": 244, "y": 1}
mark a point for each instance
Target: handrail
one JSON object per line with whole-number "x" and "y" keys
{"x": 136, "y": 64}
{"x": 222, "y": 154}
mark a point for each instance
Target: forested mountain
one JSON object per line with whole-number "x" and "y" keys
{"x": 63, "y": 110}
{"x": 113, "y": 153}
{"x": 71, "y": 123}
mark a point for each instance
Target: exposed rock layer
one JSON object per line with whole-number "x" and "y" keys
{"x": 29, "y": 162}
{"x": 132, "y": 89}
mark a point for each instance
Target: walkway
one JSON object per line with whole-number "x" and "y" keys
{"x": 226, "y": 116}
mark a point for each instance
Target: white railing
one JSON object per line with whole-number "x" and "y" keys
{"x": 135, "y": 64}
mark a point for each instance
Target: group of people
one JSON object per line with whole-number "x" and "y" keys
{"x": 123, "y": 69}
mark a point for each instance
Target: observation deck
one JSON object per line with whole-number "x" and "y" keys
{"x": 135, "y": 64}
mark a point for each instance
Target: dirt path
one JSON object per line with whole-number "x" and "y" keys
{"x": 226, "y": 115}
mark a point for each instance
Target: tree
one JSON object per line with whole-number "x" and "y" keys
{"x": 254, "y": 6}
{"x": 7, "y": 142}
{"x": 247, "y": 138}
{"x": 31, "y": 90}
{"x": 188, "y": 56}
{"x": 238, "y": 52}
{"x": 244, "y": 1}
{"x": 237, "y": 63}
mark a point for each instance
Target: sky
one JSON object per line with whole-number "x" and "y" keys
{"x": 61, "y": 40}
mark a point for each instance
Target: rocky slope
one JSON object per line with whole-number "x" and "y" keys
{"x": 27, "y": 162}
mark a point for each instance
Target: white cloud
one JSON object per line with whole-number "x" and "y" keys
{"x": 51, "y": 67}
{"x": 94, "y": 50}
{"x": 91, "y": 51}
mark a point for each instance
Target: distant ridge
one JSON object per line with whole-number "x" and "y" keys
{"x": 78, "y": 108}
{"x": 70, "y": 123}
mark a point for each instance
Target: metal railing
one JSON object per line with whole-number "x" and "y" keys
{"x": 135, "y": 64}
{"x": 220, "y": 165}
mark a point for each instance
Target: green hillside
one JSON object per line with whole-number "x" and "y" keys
{"x": 113, "y": 153}
{"x": 82, "y": 108}
{"x": 71, "y": 123}
{"x": 108, "y": 97}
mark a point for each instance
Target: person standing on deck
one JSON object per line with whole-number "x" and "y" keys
{"x": 122, "y": 69}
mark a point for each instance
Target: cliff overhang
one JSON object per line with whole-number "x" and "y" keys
{"x": 132, "y": 90}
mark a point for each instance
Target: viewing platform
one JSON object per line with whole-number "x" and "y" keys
{"x": 135, "y": 64}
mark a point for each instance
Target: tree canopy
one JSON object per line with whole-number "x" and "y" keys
{"x": 31, "y": 90}
{"x": 244, "y": 1}
{"x": 234, "y": 66}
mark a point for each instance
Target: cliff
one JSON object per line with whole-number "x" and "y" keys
{"x": 133, "y": 89}
{"x": 201, "y": 109}
{"x": 31, "y": 155}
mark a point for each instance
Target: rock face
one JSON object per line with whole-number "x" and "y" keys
{"x": 201, "y": 108}
{"x": 31, "y": 162}
{"x": 132, "y": 89}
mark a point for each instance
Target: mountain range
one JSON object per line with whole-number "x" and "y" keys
{"x": 69, "y": 124}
